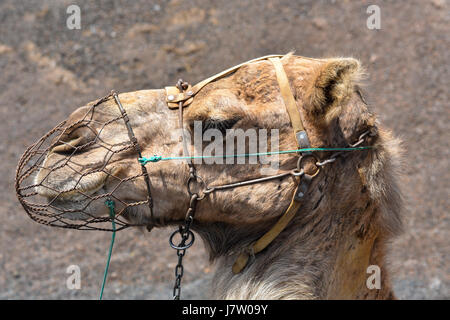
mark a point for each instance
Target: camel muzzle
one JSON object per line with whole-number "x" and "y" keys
{"x": 48, "y": 203}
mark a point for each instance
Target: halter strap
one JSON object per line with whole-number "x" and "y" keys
{"x": 174, "y": 95}
{"x": 302, "y": 141}
{"x": 291, "y": 105}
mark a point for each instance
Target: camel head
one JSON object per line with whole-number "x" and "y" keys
{"x": 356, "y": 193}
{"x": 330, "y": 102}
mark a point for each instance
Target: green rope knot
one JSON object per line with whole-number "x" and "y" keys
{"x": 154, "y": 158}
{"x": 110, "y": 204}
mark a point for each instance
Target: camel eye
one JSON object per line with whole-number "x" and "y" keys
{"x": 221, "y": 125}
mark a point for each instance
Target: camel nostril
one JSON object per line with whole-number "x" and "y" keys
{"x": 64, "y": 147}
{"x": 77, "y": 140}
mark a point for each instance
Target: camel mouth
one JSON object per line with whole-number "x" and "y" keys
{"x": 75, "y": 197}
{"x": 69, "y": 189}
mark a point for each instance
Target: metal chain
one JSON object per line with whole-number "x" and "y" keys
{"x": 187, "y": 240}
{"x": 334, "y": 156}
{"x": 184, "y": 230}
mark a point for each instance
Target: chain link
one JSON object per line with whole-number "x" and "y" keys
{"x": 184, "y": 230}
{"x": 334, "y": 156}
{"x": 186, "y": 234}
{"x": 360, "y": 139}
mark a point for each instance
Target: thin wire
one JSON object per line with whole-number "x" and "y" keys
{"x": 110, "y": 204}
{"x": 157, "y": 158}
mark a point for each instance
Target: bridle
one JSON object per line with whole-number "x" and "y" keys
{"x": 180, "y": 96}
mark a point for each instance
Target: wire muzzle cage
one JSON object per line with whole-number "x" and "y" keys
{"x": 52, "y": 193}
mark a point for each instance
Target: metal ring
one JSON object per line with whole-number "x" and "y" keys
{"x": 187, "y": 245}
{"x": 297, "y": 173}
{"x": 300, "y": 161}
{"x": 197, "y": 179}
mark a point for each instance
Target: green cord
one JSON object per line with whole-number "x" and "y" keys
{"x": 110, "y": 204}
{"x": 157, "y": 158}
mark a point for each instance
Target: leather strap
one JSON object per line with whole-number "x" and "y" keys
{"x": 173, "y": 95}
{"x": 267, "y": 238}
{"x": 302, "y": 141}
{"x": 291, "y": 105}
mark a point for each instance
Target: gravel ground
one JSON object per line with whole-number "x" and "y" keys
{"x": 48, "y": 70}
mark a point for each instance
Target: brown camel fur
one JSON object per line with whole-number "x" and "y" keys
{"x": 349, "y": 215}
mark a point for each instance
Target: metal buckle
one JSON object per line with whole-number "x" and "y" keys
{"x": 302, "y": 139}
{"x": 305, "y": 179}
{"x": 302, "y": 187}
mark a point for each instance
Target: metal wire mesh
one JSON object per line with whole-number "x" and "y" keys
{"x": 45, "y": 200}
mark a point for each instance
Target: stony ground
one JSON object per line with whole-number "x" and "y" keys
{"x": 46, "y": 71}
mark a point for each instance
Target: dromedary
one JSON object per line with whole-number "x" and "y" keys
{"x": 348, "y": 216}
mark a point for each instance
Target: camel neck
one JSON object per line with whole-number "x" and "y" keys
{"x": 307, "y": 261}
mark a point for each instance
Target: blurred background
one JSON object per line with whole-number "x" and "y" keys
{"x": 47, "y": 70}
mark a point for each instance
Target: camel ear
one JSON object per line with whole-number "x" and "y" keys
{"x": 331, "y": 86}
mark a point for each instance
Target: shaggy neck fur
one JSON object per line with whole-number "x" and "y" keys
{"x": 341, "y": 229}
{"x": 309, "y": 260}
